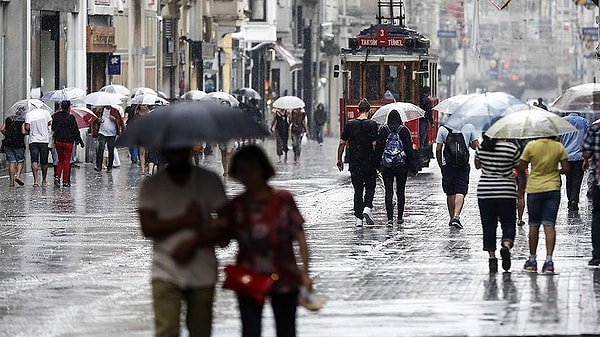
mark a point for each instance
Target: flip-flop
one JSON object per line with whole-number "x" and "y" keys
{"x": 19, "y": 181}
{"x": 36, "y": 185}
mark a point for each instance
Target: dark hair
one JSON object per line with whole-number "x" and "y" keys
{"x": 488, "y": 144}
{"x": 364, "y": 106}
{"x": 426, "y": 90}
{"x": 393, "y": 118}
{"x": 251, "y": 153}
{"x": 65, "y": 106}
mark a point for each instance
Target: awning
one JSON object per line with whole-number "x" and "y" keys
{"x": 294, "y": 62}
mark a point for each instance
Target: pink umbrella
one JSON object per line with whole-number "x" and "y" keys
{"x": 83, "y": 116}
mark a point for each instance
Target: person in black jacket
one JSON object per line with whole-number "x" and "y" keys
{"x": 14, "y": 145}
{"x": 398, "y": 171}
{"x": 66, "y": 133}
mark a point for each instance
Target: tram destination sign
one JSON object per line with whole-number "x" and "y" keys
{"x": 381, "y": 40}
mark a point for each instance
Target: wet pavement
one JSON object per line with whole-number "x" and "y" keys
{"x": 74, "y": 262}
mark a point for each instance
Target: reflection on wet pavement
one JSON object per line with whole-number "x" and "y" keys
{"x": 74, "y": 263}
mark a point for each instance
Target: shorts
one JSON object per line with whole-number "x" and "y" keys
{"x": 543, "y": 208}
{"x": 15, "y": 155}
{"x": 455, "y": 180}
{"x": 39, "y": 153}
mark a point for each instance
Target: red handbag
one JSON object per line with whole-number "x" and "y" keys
{"x": 248, "y": 283}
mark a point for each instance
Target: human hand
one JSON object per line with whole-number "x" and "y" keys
{"x": 185, "y": 251}
{"x": 340, "y": 165}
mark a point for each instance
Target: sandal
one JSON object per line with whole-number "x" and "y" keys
{"x": 19, "y": 181}
{"x": 36, "y": 185}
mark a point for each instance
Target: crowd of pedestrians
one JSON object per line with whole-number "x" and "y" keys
{"x": 510, "y": 169}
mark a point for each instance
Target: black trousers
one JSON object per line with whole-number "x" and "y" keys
{"x": 574, "y": 179}
{"x": 284, "y": 310}
{"x": 389, "y": 175}
{"x": 363, "y": 181}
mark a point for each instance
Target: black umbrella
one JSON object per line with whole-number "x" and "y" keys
{"x": 247, "y": 92}
{"x": 188, "y": 123}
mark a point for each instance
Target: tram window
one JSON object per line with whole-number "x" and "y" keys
{"x": 373, "y": 82}
{"x": 392, "y": 82}
{"x": 354, "y": 81}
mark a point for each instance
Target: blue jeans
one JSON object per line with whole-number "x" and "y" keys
{"x": 319, "y": 129}
{"x": 135, "y": 154}
{"x": 543, "y": 208}
{"x": 492, "y": 210}
{"x": 284, "y": 310}
{"x": 596, "y": 221}
{"x": 297, "y": 144}
{"x": 102, "y": 142}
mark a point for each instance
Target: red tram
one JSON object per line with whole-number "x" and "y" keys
{"x": 389, "y": 62}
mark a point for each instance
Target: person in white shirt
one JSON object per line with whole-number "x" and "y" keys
{"x": 175, "y": 207}
{"x": 37, "y": 123}
{"x": 111, "y": 125}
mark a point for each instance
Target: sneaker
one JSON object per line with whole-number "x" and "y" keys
{"x": 505, "y": 253}
{"x": 390, "y": 223}
{"x": 595, "y": 261}
{"x": 57, "y": 181}
{"x": 530, "y": 266}
{"x": 66, "y": 184}
{"x": 456, "y": 223}
{"x": 400, "y": 221}
{"x": 368, "y": 216}
{"x": 493, "y": 264}
{"x": 97, "y": 169}
{"x": 548, "y": 267}
{"x": 520, "y": 223}
{"x": 359, "y": 222}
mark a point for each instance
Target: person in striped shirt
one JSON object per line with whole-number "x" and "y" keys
{"x": 497, "y": 196}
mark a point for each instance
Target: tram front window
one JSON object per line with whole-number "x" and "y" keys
{"x": 372, "y": 83}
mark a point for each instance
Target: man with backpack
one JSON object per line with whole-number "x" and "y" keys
{"x": 359, "y": 137}
{"x": 395, "y": 148}
{"x": 452, "y": 154}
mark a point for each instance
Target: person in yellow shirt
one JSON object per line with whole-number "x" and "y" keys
{"x": 543, "y": 194}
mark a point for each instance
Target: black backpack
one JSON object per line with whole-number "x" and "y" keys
{"x": 456, "y": 151}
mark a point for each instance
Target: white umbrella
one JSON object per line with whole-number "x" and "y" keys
{"x": 148, "y": 99}
{"x": 143, "y": 91}
{"x": 20, "y": 108}
{"x": 529, "y": 123}
{"x": 407, "y": 111}
{"x": 66, "y": 94}
{"x": 116, "y": 89}
{"x": 102, "y": 98}
{"x": 194, "y": 95}
{"x": 220, "y": 97}
{"x": 288, "y": 102}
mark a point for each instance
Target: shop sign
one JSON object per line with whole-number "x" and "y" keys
{"x": 101, "y": 39}
{"x": 114, "y": 65}
{"x": 102, "y": 2}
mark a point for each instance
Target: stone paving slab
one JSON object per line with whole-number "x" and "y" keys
{"x": 74, "y": 263}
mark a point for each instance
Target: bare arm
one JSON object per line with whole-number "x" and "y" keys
{"x": 438, "y": 153}
{"x": 153, "y": 227}
{"x": 564, "y": 167}
{"x": 25, "y": 128}
{"x": 474, "y": 144}
{"x": 586, "y": 160}
{"x": 340, "y": 153}
{"x": 301, "y": 237}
